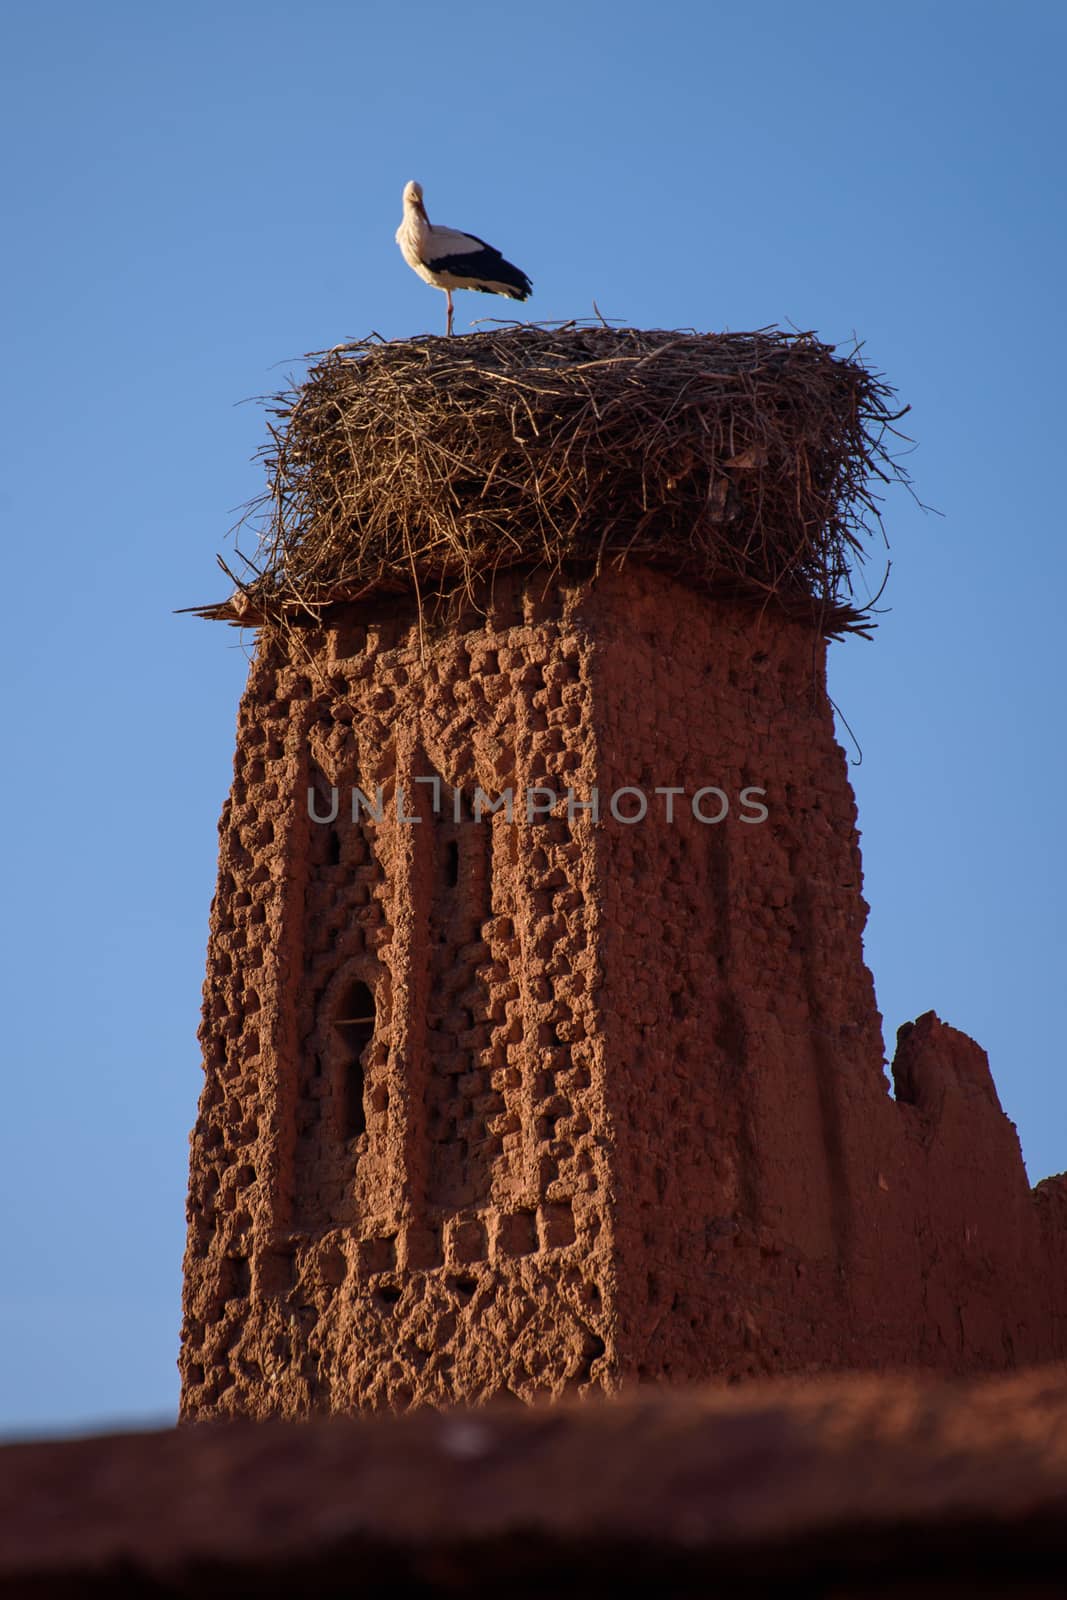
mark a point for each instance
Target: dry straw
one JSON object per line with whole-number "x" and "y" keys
{"x": 740, "y": 461}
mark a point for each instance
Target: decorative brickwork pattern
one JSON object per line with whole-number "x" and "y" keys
{"x": 497, "y": 1105}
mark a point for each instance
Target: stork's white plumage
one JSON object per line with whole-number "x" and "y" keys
{"x": 451, "y": 260}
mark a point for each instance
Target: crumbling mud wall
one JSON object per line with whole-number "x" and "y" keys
{"x": 561, "y": 1101}
{"x": 776, "y": 1209}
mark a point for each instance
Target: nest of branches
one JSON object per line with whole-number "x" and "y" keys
{"x": 749, "y": 463}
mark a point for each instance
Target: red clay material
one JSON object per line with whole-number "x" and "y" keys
{"x": 558, "y": 1106}
{"x": 841, "y": 1487}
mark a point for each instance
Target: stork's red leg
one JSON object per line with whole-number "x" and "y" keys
{"x": 448, "y": 292}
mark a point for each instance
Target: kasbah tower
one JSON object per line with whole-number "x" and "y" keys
{"x": 540, "y": 1054}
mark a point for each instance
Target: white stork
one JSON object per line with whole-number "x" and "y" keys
{"x": 451, "y": 260}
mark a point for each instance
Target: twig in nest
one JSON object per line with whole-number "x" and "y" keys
{"x": 740, "y": 461}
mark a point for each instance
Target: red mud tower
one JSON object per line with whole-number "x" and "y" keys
{"x": 541, "y": 1056}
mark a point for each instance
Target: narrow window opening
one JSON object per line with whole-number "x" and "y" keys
{"x": 334, "y": 848}
{"x": 355, "y": 1023}
{"x": 452, "y": 863}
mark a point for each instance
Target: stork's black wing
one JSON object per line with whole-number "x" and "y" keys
{"x": 483, "y": 265}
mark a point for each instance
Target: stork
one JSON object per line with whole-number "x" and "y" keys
{"x": 451, "y": 260}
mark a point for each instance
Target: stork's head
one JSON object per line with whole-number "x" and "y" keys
{"x": 413, "y": 198}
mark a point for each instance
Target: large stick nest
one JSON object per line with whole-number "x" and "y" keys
{"x": 746, "y": 462}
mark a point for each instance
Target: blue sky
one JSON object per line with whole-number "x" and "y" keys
{"x": 197, "y": 195}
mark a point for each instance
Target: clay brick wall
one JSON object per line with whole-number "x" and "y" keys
{"x": 440, "y": 1227}
{"x": 495, "y": 1107}
{"x": 754, "y": 1007}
